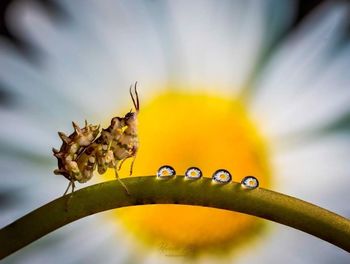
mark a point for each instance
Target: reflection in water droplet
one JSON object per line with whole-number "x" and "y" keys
{"x": 166, "y": 171}
{"x": 222, "y": 176}
{"x": 250, "y": 182}
{"x": 193, "y": 173}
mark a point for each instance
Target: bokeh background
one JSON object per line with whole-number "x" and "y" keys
{"x": 284, "y": 65}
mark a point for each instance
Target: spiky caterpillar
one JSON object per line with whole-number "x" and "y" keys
{"x": 89, "y": 148}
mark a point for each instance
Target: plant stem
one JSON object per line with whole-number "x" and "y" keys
{"x": 260, "y": 202}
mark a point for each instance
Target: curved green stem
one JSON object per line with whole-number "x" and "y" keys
{"x": 179, "y": 190}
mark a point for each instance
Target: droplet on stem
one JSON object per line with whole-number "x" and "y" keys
{"x": 250, "y": 182}
{"x": 222, "y": 176}
{"x": 193, "y": 173}
{"x": 166, "y": 171}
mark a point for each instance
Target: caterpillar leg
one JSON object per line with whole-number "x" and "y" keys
{"x": 121, "y": 183}
{"x": 132, "y": 164}
{"x": 71, "y": 183}
{"x": 121, "y": 163}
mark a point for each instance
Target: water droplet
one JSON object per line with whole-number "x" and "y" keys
{"x": 250, "y": 182}
{"x": 166, "y": 171}
{"x": 222, "y": 176}
{"x": 193, "y": 173}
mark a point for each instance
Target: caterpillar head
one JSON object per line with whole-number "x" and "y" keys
{"x": 131, "y": 116}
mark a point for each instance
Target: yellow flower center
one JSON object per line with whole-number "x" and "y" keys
{"x": 205, "y": 131}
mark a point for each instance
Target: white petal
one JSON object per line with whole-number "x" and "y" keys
{"x": 217, "y": 43}
{"x": 100, "y": 53}
{"x": 21, "y": 132}
{"x": 287, "y": 245}
{"x": 305, "y": 85}
{"x": 30, "y": 87}
{"x": 318, "y": 171}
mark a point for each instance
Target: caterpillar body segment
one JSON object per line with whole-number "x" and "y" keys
{"x": 72, "y": 147}
{"x": 88, "y": 149}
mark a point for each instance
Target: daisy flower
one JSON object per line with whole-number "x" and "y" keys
{"x": 219, "y": 89}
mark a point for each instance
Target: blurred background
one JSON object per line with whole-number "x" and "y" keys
{"x": 264, "y": 84}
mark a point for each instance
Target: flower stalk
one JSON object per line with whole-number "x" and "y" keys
{"x": 109, "y": 195}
